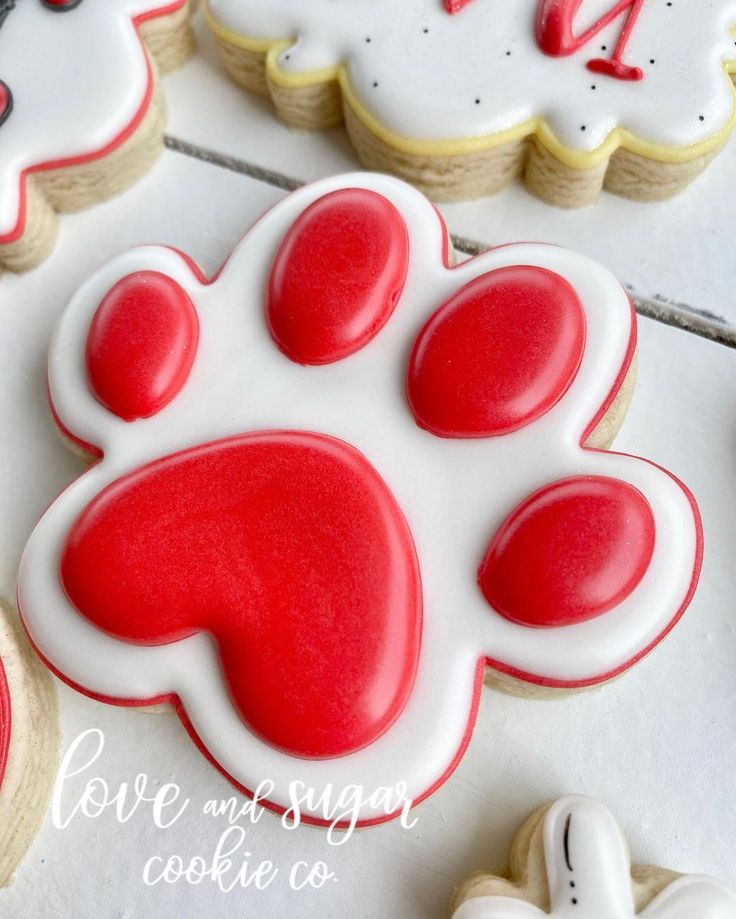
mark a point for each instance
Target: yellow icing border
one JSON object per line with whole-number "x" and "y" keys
{"x": 538, "y": 127}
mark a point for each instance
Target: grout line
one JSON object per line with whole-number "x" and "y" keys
{"x": 660, "y": 309}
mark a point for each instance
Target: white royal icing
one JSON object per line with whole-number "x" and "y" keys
{"x": 589, "y": 876}
{"x": 78, "y": 80}
{"x": 446, "y": 488}
{"x": 426, "y": 75}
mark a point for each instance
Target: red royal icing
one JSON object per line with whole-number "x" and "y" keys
{"x": 141, "y": 344}
{"x": 572, "y": 551}
{"x": 454, "y": 6}
{"x": 497, "y": 355}
{"x": 337, "y": 276}
{"x": 6, "y": 101}
{"x": 555, "y": 34}
{"x": 290, "y": 551}
{"x": 5, "y": 722}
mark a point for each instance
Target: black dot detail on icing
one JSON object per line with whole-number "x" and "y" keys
{"x": 593, "y": 86}
{"x": 566, "y": 838}
{"x": 375, "y": 84}
{"x": 508, "y": 54}
{"x": 604, "y": 47}
{"x": 287, "y": 57}
{"x": 477, "y": 101}
{"x": 368, "y": 40}
{"x": 651, "y": 60}
{"x": 583, "y": 127}
{"x": 425, "y": 31}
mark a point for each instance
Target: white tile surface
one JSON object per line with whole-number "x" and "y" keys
{"x": 681, "y": 249}
{"x": 659, "y": 745}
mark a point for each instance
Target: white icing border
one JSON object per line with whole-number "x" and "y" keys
{"x": 241, "y": 382}
{"x": 64, "y": 112}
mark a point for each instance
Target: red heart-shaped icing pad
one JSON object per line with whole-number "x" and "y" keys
{"x": 6, "y": 101}
{"x": 141, "y": 345}
{"x": 497, "y": 355}
{"x": 572, "y": 551}
{"x": 291, "y": 552}
{"x": 337, "y": 276}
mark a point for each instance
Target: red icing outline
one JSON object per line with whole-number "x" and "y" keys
{"x": 483, "y": 662}
{"x": 16, "y": 233}
{"x": 6, "y": 722}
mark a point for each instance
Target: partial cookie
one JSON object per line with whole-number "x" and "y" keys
{"x": 86, "y": 123}
{"x": 570, "y": 861}
{"x": 29, "y": 741}
{"x": 460, "y": 98}
{"x": 341, "y": 479}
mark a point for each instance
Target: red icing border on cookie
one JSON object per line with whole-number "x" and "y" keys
{"x": 6, "y": 722}
{"x": 173, "y": 700}
{"x": 535, "y": 680}
{"x": 17, "y": 231}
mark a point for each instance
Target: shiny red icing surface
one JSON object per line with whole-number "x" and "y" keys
{"x": 337, "y": 276}
{"x": 570, "y": 552}
{"x": 6, "y": 101}
{"x": 454, "y": 6}
{"x": 5, "y": 722}
{"x": 290, "y": 551}
{"x": 497, "y": 355}
{"x": 141, "y": 345}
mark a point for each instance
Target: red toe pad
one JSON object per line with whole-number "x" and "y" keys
{"x": 570, "y": 552}
{"x": 141, "y": 345}
{"x": 337, "y": 276}
{"x": 497, "y": 355}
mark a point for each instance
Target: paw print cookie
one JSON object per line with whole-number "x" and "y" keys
{"x": 570, "y": 861}
{"x": 339, "y": 480}
{"x": 460, "y": 97}
{"x": 81, "y": 114}
{"x": 29, "y": 740}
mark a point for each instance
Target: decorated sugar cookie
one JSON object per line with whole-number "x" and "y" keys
{"x": 340, "y": 480}
{"x": 461, "y": 96}
{"x": 570, "y": 861}
{"x": 29, "y": 740}
{"x": 81, "y": 117}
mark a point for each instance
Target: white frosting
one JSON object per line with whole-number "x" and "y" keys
{"x": 583, "y": 846}
{"x": 430, "y": 67}
{"x": 454, "y": 493}
{"x": 78, "y": 80}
